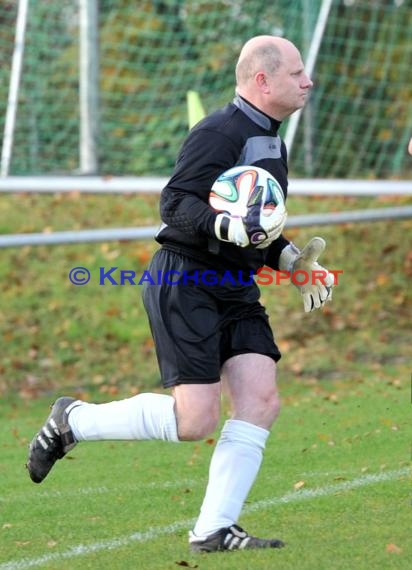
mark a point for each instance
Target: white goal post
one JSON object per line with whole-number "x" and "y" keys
{"x": 15, "y": 76}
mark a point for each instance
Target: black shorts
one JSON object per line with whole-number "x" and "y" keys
{"x": 199, "y": 319}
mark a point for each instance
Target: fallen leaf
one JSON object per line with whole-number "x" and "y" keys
{"x": 186, "y": 564}
{"x": 284, "y": 345}
{"x": 296, "y": 367}
{"x": 147, "y": 346}
{"x": 98, "y": 379}
{"x": 113, "y": 312}
{"x": 393, "y": 549}
{"x": 382, "y": 279}
{"x": 144, "y": 256}
{"x": 389, "y": 248}
{"x": 114, "y": 254}
{"x": 324, "y": 437}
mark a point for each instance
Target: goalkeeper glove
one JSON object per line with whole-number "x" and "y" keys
{"x": 316, "y": 283}
{"x": 232, "y": 229}
{"x": 257, "y": 228}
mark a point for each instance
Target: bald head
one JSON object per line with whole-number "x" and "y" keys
{"x": 270, "y": 74}
{"x": 261, "y": 53}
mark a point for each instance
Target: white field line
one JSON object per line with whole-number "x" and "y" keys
{"x": 156, "y": 532}
{"x": 327, "y": 490}
{"x": 101, "y": 490}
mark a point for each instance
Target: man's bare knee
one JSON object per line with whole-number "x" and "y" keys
{"x": 250, "y": 381}
{"x": 189, "y": 430}
{"x": 197, "y": 410}
{"x": 272, "y": 408}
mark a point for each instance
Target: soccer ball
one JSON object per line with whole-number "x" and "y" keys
{"x": 241, "y": 187}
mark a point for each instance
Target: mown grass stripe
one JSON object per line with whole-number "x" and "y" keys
{"x": 156, "y": 532}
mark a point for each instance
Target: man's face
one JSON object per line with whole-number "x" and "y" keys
{"x": 289, "y": 86}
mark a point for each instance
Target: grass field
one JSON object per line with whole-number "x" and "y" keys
{"x": 335, "y": 482}
{"x": 334, "y": 486}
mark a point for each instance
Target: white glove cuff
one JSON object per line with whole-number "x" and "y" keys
{"x": 288, "y": 256}
{"x": 231, "y": 229}
{"x": 222, "y": 227}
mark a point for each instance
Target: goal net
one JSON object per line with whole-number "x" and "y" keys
{"x": 151, "y": 53}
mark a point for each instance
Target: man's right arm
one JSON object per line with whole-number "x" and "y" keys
{"x": 184, "y": 200}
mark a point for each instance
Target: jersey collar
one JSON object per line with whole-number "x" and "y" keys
{"x": 256, "y": 115}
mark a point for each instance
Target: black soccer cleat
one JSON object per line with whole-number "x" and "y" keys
{"x": 53, "y": 440}
{"x": 231, "y": 538}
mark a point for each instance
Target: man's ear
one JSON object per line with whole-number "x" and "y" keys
{"x": 261, "y": 81}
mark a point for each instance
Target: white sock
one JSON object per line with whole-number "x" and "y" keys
{"x": 233, "y": 469}
{"x": 145, "y": 416}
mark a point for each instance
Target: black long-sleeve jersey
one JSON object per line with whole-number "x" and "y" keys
{"x": 238, "y": 134}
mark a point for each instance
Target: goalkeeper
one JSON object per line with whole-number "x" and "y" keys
{"x": 212, "y": 339}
